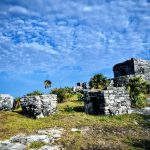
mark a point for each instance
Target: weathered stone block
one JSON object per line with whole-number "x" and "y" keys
{"x": 39, "y": 106}
{"x": 108, "y": 105}
{"x": 6, "y": 102}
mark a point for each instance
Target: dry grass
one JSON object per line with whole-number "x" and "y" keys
{"x": 118, "y": 132}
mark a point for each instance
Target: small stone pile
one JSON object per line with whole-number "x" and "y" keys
{"x": 6, "y": 102}
{"x": 113, "y": 101}
{"x": 39, "y": 106}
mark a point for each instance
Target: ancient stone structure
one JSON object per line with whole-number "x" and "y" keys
{"x": 39, "y": 106}
{"x": 130, "y": 69}
{"x": 113, "y": 101}
{"x": 6, "y": 102}
{"x": 79, "y": 87}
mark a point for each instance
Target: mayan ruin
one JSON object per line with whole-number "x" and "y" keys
{"x": 115, "y": 99}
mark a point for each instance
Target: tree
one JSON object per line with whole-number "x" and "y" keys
{"x": 47, "y": 83}
{"x": 98, "y": 81}
{"x": 137, "y": 87}
{"x": 62, "y": 93}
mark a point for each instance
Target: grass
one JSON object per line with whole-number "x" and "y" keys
{"x": 35, "y": 145}
{"x": 118, "y": 132}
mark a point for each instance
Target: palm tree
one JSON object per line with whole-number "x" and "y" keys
{"x": 136, "y": 86}
{"x": 47, "y": 83}
{"x": 98, "y": 81}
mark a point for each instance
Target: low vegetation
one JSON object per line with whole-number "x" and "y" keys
{"x": 117, "y": 132}
{"x": 137, "y": 88}
{"x": 35, "y": 93}
{"x": 36, "y": 145}
{"x": 62, "y": 93}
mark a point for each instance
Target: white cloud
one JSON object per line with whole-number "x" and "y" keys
{"x": 54, "y": 34}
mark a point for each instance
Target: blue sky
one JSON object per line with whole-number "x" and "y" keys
{"x": 67, "y": 41}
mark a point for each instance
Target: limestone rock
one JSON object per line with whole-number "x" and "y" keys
{"x": 22, "y": 141}
{"x": 39, "y": 106}
{"x": 11, "y": 146}
{"x": 6, "y": 102}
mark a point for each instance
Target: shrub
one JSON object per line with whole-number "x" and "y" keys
{"x": 68, "y": 109}
{"x": 98, "y": 81}
{"x": 36, "y": 144}
{"x": 34, "y": 93}
{"x": 62, "y": 93}
{"x": 139, "y": 101}
{"x": 16, "y": 103}
{"x": 80, "y": 97}
{"x": 137, "y": 87}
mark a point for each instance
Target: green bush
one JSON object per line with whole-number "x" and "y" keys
{"x": 98, "y": 81}
{"x": 137, "y": 87}
{"x": 80, "y": 97}
{"x": 68, "y": 109}
{"x": 16, "y": 103}
{"x": 36, "y": 145}
{"x": 139, "y": 101}
{"x": 34, "y": 93}
{"x": 62, "y": 93}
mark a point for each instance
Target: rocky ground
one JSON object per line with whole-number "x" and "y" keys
{"x": 46, "y": 137}
{"x": 22, "y": 141}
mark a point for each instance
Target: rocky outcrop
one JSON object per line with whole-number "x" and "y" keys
{"x": 39, "y": 106}
{"x": 113, "y": 101}
{"x": 6, "y": 102}
{"x": 23, "y": 141}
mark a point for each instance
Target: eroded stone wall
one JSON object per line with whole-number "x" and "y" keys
{"x": 130, "y": 69}
{"x": 113, "y": 101}
{"x": 39, "y": 106}
{"x": 141, "y": 67}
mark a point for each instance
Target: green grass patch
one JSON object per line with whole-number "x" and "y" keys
{"x": 36, "y": 144}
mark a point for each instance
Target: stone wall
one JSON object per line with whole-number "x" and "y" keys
{"x": 39, "y": 106}
{"x": 124, "y": 80}
{"x": 6, "y": 102}
{"x": 141, "y": 67}
{"x": 124, "y": 68}
{"x": 132, "y": 67}
{"x": 113, "y": 101}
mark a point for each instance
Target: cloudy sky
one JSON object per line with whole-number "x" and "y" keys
{"x": 67, "y": 41}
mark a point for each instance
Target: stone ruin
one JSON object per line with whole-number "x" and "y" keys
{"x": 112, "y": 101}
{"x": 39, "y": 106}
{"x": 115, "y": 100}
{"x": 130, "y": 69}
{"x": 6, "y": 102}
{"x": 79, "y": 87}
